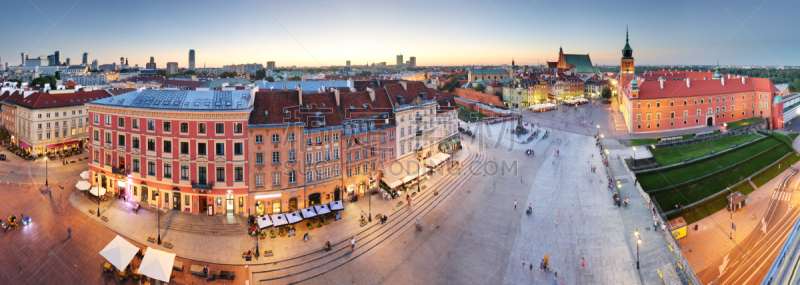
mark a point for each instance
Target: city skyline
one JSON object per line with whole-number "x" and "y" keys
{"x": 683, "y": 33}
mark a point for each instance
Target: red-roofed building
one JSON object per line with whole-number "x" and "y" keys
{"x": 671, "y": 100}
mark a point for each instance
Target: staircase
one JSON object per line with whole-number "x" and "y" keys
{"x": 219, "y": 225}
{"x": 121, "y": 205}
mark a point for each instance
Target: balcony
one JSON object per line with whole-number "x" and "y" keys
{"x": 202, "y": 186}
{"x": 419, "y": 133}
{"x": 118, "y": 171}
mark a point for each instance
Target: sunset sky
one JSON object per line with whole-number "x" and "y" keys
{"x": 322, "y": 33}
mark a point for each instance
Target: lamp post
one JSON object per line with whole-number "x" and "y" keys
{"x": 634, "y": 152}
{"x": 638, "y": 241}
{"x": 158, "y": 213}
{"x": 98, "y": 196}
{"x": 730, "y": 207}
{"x": 46, "y": 181}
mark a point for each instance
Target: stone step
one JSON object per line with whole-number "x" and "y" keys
{"x": 121, "y": 205}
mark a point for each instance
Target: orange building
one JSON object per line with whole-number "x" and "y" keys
{"x": 672, "y": 100}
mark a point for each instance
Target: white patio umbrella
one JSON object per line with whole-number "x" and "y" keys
{"x": 157, "y": 264}
{"x": 308, "y": 212}
{"x": 98, "y": 191}
{"x": 264, "y": 222}
{"x": 322, "y": 209}
{"x": 294, "y": 217}
{"x": 336, "y": 205}
{"x": 279, "y": 220}
{"x": 83, "y": 185}
{"x": 85, "y": 175}
{"x": 119, "y": 252}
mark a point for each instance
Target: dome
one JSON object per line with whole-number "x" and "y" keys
{"x": 778, "y": 99}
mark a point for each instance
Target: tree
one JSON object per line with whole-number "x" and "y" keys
{"x": 228, "y": 74}
{"x": 4, "y": 134}
{"x": 58, "y": 75}
{"x": 365, "y": 73}
{"x": 606, "y": 94}
{"x": 161, "y": 72}
{"x": 795, "y": 87}
{"x": 259, "y": 75}
{"x": 42, "y": 80}
{"x": 190, "y": 72}
{"x": 479, "y": 87}
{"x": 270, "y": 79}
{"x": 295, "y": 78}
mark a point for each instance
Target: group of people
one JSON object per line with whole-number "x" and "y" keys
{"x": 594, "y": 169}
{"x": 679, "y": 206}
{"x": 529, "y": 152}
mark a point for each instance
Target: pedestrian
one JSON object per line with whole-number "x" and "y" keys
{"x": 541, "y": 266}
{"x": 583, "y": 263}
{"x": 555, "y": 278}
{"x": 663, "y": 229}
{"x": 530, "y": 267}
{"x": 69, "y": 231}
{"x": 353, "y": 243}
{"x": 20, "y": 266}
{"x": 523, "y": 263}
{"x": 205, "y": 271}
{"x": 515, "y": 200}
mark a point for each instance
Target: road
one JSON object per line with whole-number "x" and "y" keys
{"x": 749, "y": 261}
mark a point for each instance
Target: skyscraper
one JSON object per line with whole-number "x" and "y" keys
{"x": 24, "y": 57}
{"x": 348, "y": 63}
{"x": 191, "y": 59}
{"x": 151, "y": 64}
{"x": 412, "y": 61}
{"x": 67, "y": 62}
{"x": 271, "y": 65}
{"x": 172, "y": 67}
{"x": 399, "y": 60}
{"x": 121, "y": 62}
{"x": 85, "y": 61}
{"x": 94, "y": 64}
{"x": 57, "y": 58}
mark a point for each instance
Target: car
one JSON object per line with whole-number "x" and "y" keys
{"x": 2, "y": 157}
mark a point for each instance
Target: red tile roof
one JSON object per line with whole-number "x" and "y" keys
{"x": 321, "y": 103}
{"x": 39, "y": 100}
{"x": 71, "y": 84}
{"x": 274, "y": 103}
{"x": 677, "y": 88}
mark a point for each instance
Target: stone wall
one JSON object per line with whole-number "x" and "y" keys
{"x": 641, "y": 164}
{"x": 748, "y": 129}
{"x": 479, "y": 96}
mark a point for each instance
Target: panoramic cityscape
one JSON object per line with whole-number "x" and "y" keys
{"x": 501, "y": 142}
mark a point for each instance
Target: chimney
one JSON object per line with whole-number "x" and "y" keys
{"x": 371, "y": 94}
{"x": 404, "y": 85}
{"x": 662, "y": 83}
{"x": 723, "y": 81}
{"x": 338, "y": 98}
{"x": 300, "y": 94}
{"x": 687, "y": 83}
{"x": 742, "y": 80}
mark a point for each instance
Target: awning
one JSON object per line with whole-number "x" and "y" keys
{"x": 308, "y": 212}
{"x": 264, "y": 222}
{"x": 393, "y": 172}
{"x": 157, "y": 264}
{"x": 279, "y": 220}
{"x": 322, "y": 209}
{"x": 408, "y": 178}
{"x": 432, "y": 161}
{"x": 394, "y": 184}
{"x": 119, "y": 252}
{"x": 336, "y": 206}
{"x": 24, "y": 145}
{"x": 294, "y": 217}
{"x": 96, "y": 189}
{"x": 62, "y": 144}
{"x": 442, "y": 157}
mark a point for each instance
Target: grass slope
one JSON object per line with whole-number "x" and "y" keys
{"x": 671, "y": 155}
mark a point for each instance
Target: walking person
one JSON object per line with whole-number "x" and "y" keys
{"x": 583, "y": 263}
{"x": 515, "y": 200}
{"x": 523, "y": 263}
{"x": 530, "y": 268}
{"x": 69, "y": 232}
{"x": 353, "y": 243}
{"x": 541, "y": 266}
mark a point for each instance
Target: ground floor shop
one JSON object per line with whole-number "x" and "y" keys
{"x": 292, "y": 199}
{"x": 53, "y": 149}
{"x": 151, "y": 194}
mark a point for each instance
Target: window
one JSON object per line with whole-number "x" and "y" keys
{"x": 151, "y": 125}
{"x": 135, "y": 123}
{"x": 220, "y": 148}
{"x": 167, "y": 127}
{"x": 327, "y": 172}
{"x": 684, "y": 122}
{"x": 260, "y": 180}
{"x": 335, "y": 170}
{"x": 108, "y": 159}
{"x": 151, "y": 144}
{"x": 318, "y": 139}
{"x": 648, "y": 105}
{"x": 672, "y": 114}
{"x": 185, "y": 172}
{"x": 349, "y": 157}
{"x": 290, "y": 137}
{"x": 167, "y": 170}
{"x": 638, "y": 105}
{"x": 276, "y": 157}
{"x": 238, "y": 149}
{"x": 658, "y": 104}
{"x": 327, "y": 138}
{"x": 238, "y": 173}
{"x": 220, "y": 174}
{"x": 309, "y": 176}
{"x": 259, "y": 139}
{"x": 96, "y": 118}
{"x": 648, "y": 126}
{"x": 201, "y": 149}
{"x": 319, "y": 156}
{"x": 292, "y": 176}
{"x": 189, "y": 199}
{"x": 308, "y": 141}
{"x": 276, "y": 178}
{"x": 120, "y": 122}
{"x": 135, "y": 142}
{"x": 220, "y": 128}
{"x": 671, "y": 124}
{"x": 135, "y": 165}
{"x": 639, "y": 127}
{"x": 684, "y": 102}
{"x": 402, "y": 132}
{"x": 391, "y": 135}
{"x": 238, "y": 128}
{"x": 701, "y": 101}
{"x": 335, "y": 137}
{"x": 108, "y": 137}
{"x": 184, "y": 127}
{"x": 335, "y": 153}
{"x": 383, "y": 137}
{"x": 151, "y": 168}
{"x": 649, "y": 116}
{"x": 259, "y": 158}
{"x": 658, "y": 116}
{"x": 184, "y": 148}
{"x": 349, "y": 172}
{"x": 292, "y": 155}
{"x": 357, "y": 155}
{"x": 167, "y": 146}
{"x": 638, "y": 117}
{"x": 685, "y": 113}
{"x": 276, "y": 138}
{"x": 201, "y": 128}
{"x": 372, "y": 151}
{"x": 309, "y": 158}
{"x": 698, "y": 112}
{"x": 96, "y": 135}
{"x": 121, "y": 140}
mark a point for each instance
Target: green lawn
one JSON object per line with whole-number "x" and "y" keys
{"x": 697, "y": 192}
{"x": 671, "y": 155}
{"x": 764, "y": 177}
{"x": 638, "y": 142}
{"x": 793, "y": 136}
{"x": 705, "y": 211}
{"x": 783, "y": 138}
{"x": 740, "y": 123}
{"x": 677, "y": 175}
{"x": 467, "y": 115}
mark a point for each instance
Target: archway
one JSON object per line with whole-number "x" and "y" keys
{"x": 314, "y": 199}
{"x": 337, "y": 194}
{"x": 292, "y": 204}
{"x": 710, "y": 121}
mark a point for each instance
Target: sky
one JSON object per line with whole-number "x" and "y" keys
{"x": 323, "y": 33}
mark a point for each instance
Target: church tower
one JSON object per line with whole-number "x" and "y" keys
{"x": 626, "y": 72}
{"x": 562, "y": 62}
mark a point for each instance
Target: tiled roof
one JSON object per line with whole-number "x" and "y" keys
{"x": 217, "y": 83}
{"x": 582, "y": 63}
{"x": 487, "y": 71}
{"x": 308, "y": 86}
{"x": 71, "y": 84}
{"x": 120, "y": 91}
{"x": 269, "y": 107}
{"x": 184, "y": 100}
{"x": 362, "y": 105}
{"x": 38, "y": 100}
{"x": 672, "y": 89}
{"x": 320, "y": 104}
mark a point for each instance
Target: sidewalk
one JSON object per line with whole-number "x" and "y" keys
{"x": 227, "y": 249}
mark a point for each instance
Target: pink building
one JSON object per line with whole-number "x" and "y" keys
{"x": 182, "y": 150}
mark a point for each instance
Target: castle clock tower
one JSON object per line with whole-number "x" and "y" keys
{"x": 626, "y": 72}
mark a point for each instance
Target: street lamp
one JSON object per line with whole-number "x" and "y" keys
{"x": 158, "y": 213}
{"x": 98, "y": 196}
{"x": 46, "y": 181}
{"x": 730, "y": 207}
{"x": 638, "y": 241}
{"x": 634, "y": 152}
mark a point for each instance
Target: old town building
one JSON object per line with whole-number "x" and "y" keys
{"x": 182, "y": 150}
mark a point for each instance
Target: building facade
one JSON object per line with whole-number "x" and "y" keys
{"x": 181, "y": 150}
